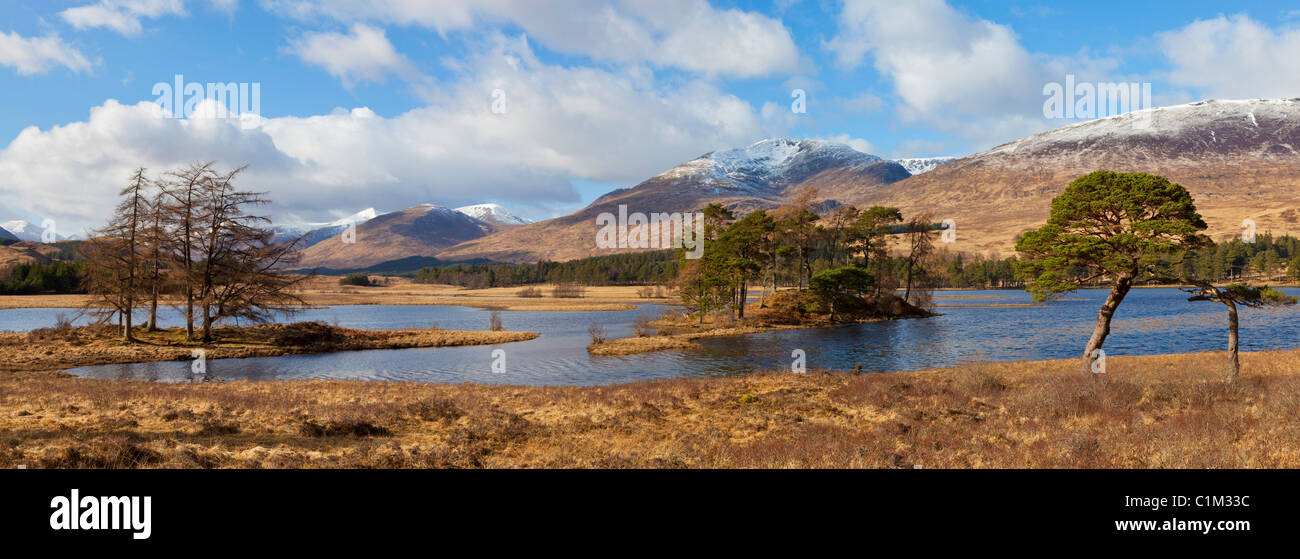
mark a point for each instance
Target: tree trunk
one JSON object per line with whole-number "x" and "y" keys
{"x": 1234, "y": 360}
{"x": 1099, "y": 332}
{"x": 744, "y": 295}
{"x": 207, "y": 324}
{"x": 153, "y": 307}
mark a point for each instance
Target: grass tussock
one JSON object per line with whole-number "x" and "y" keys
{"x": 65, "y": 347}
{"x": 1148, "y": 412}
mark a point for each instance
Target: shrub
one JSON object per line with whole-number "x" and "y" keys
{"x": 651, "y": 292}
{"x": 530, "y": 291}
{"x": 568, "y": 291}
{"x": 356, "y": 279}
{"x": 494, "y": 321}
{"x": 597, "y": 333}
{"x": 642, "y": 328}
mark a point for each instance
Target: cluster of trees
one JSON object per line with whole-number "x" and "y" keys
{"x": 1126, "y": 229}
{"x": 1266, "y": 258}
{"x": 187, "y": 239}
{"x": 639, "y": 268}
{"x": 37, "y": 277}
{"x": 838, "y": 258}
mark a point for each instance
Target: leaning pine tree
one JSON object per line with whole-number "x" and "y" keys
{"x": 1113, "y": 227}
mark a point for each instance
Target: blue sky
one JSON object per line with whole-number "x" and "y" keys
{"x": 369, "y": 105}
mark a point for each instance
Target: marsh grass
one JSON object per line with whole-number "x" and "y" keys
{"x": 1173, "y": 411}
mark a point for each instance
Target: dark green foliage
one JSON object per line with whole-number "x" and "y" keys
{"x": 840, "y": 288}
{"x": 356, "y": 279}
{"x": 618, "y": 269}
{"x": 55, "y": 277}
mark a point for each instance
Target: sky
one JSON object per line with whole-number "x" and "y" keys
{"x": 544, "y": 106}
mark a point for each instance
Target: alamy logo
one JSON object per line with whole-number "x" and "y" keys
{"x": 182, "y": 100}
{"x": 103, "y": 513}
{"x": 658, "y": 230}
{"x": 1086, "y": 100}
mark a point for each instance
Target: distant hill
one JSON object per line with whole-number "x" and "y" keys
{"x": 312, "y": 233}
{"x": 759, "y": 176}
{"x": 423, "y": 230}
{"x": 26, "y": 252}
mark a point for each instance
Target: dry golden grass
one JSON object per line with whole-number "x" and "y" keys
{"x": 48, "y": 349}
{"x": 1171, "y": 411}
{"x": 646, "y": 344}
{"x": 323, "y": 291}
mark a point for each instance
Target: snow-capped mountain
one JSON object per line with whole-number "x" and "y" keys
{"x": 421, "y": 230}
{"x": 313, "y": 233}
{"x": 493, "y": 213}
{"x": 918, "y": 165}
{"x": 773, "y": 162}
{"x": 1240, "y": 159}
{"x": 6, "y": 235}
{"x": 24, "y": 230}
{"x": 762, "y": 175}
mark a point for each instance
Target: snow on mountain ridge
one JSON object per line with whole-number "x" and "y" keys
{"x": 918, "y": 165}
{"x": 493, "y": 213}
{"x": 1174, "y": 120}
{"x": 765, "y": 161}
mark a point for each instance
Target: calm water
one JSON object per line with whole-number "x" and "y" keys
{"x": 1150, "y": 321}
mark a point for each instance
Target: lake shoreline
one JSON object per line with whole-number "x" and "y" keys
{"x": 1160, "y": 411}
{"x": 67, "y": 348}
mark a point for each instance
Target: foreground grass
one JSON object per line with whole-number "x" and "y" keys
{"x": 1148, "y": 412}
{"x": 55, "y": 348}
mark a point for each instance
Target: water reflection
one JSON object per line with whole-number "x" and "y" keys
{"x": 1150, "y": 321}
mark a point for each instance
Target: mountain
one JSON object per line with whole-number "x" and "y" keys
{"x": 493, "y": 213}
{"x": 918, "y": 165}
{"x": 1239, "y": 160}
{"x": 5, "y": 235}
{"x": 24, "y": 230}
{"x": 313, "y": 233}
{"x": 744, "y": 179}
{"x": 26, "y": 252}
{"x": 423, "y": 230}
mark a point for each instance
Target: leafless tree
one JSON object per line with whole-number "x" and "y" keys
{"x": 114, "y": 266}
{"x": 240, "y": 267}
{"x": 185, "y": 188}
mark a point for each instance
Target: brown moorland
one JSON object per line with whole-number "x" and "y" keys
{"x": 1168, "y": 411}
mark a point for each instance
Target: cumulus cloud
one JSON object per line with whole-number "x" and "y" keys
{"x": 561, "y": 123}
{"x": 959, "y": 73}
{"x": 1234, "y": 57}
{"x": 36, "y": 55}
{"x": 686, "y": 34}
{"x": 122, "y": 16}
{"x": 363, "y": 54}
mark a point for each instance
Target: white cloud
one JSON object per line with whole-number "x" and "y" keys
{"x": 122, "y": 16}
{"x": 952, "y": 71}
{"x": 562, "y": 123}
{"x": 363, "y": 54}
{"x": 686, "y": 34}
{"x": 1235, "y": 57}
{"x": 36, "y": 55}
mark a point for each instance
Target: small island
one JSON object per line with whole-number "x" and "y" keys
{"x": 64, "y": 346}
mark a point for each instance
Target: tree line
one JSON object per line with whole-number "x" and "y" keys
{"x": 637, "y": 268}
{"x": 187, "y": 239}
